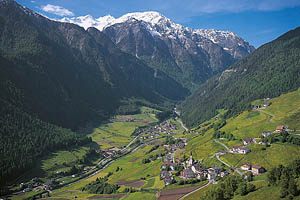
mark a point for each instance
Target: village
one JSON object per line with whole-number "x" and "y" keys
{"x": 180, "y": 170}
{"x": 189, "y": 170}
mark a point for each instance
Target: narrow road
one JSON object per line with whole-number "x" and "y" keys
{"x": 195, "y": 190}
{"x": 222, "y": 144}
{"x": 182, "y": 125}
{"x": 218, "y": 158}
{"x": 107, "y": 163}
{"x": 180, "y": 122}
{"x": 132, "y": 141}
{"x": 272, "y": 116}
{"x": 235, "y": 169}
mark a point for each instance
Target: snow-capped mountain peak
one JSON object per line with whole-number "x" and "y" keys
{"x": 108, "y": 20}
{"x": 149, "y": 16}
{"x": 160, "y": 26}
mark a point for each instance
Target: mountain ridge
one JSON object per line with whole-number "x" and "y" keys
{"x": 189, "y": 56}
{"x": 271, "y": 70}
{"x": 62, "y": 68}
{"x": 156, "y": 18}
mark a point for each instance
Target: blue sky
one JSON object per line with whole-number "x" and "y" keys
{"x": 257, "y": 21}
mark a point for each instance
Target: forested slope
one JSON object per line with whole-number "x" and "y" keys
{"x": 269, "y": 71}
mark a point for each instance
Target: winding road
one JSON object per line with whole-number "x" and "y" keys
{"x": 222, "y": 144}
{"x": 218, "y": 158}
{"x": 180, "y": 122}
{"x": 272, "y": 116}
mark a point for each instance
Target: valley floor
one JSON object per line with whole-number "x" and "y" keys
{"x": 137, "y": 147}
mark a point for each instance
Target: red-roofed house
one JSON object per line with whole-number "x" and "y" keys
{"x": 280, "y": 128}
{"x": 247, "y": 141}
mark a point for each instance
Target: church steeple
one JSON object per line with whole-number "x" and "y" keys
{"x": 191, "y": 160}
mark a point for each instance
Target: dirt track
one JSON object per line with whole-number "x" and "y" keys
{"x": 173, "y": 194}
{"x": 107, "y": 196}
{"x": 134, "y": 183}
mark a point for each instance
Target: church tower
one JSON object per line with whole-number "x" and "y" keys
{"x": 191, "y": 160}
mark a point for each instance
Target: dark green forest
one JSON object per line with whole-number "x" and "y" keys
{"x": 29, "y": 139}
{"x": 269, "y": 71}
{"x": 57, "y": 76}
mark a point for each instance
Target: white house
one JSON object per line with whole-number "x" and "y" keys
{"x": 246, "y": 166}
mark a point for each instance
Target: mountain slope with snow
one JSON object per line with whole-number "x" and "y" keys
{"x": 190, "y": 56}
{"x": 226, "y": 39}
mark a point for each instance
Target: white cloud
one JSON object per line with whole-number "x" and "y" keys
{"x": 57, "y": 10}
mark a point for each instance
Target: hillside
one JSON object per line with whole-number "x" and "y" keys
{"x": 269, "y": 71}
{"x": 283, "y": 110}
{"x": 25, "y": 138}
{"x": 67, "y": 75}
{"x": 130, "y": 170}
{"x": 57, "y": 75}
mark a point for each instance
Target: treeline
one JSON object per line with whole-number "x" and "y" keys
{"x": 283, "y": 137}
{"x": 90, "y": 156}
{"x": 24, "y": 138}
{"x": 285, "y": 177}
{"x": 222, "y": 134}
{"x": 270, "y": 71}
{"x": 161, "y": 116}
{"x": 100, "y": 186}
{"x": 232, "y": 185}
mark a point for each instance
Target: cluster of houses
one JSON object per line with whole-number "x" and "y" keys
{"x": 36, "y": 185}
{"x": 109, "y": 151}
{"x": 189, "y": 169}
{"x": 278, "y": 129}
{"x": 255, "y": 169}
{"x": 180, "y": 144}
{"x": 265, "y": 105}
{"x": 244, "y": 150}
{"x": 166, "y": 127}
{"x": 239, "y": 150}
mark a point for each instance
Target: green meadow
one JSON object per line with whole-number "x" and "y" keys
{"x": 117, "y": 133}
{"x": 250, "y": 124}
{"x": 140, "y": 195}
{"x": 133, "y": 168}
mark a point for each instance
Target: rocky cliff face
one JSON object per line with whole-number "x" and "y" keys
{"x": 190, "y": 56}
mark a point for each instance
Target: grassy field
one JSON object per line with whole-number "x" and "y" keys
{"x": 173, "y": 186}
{"x": 133, "y": 168}
{"x": 58, "y": 159}
{"x": 140, "y": 195}
{"x": 133, "y": 171}
{"x": 274, "y": 155}
{"x": 198, "y": 194}
{"x": 250, "y": 124}
{"x": 118, "y": 132}
{"x": 203, "y": 148}
{"x": 114, "y": 134}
